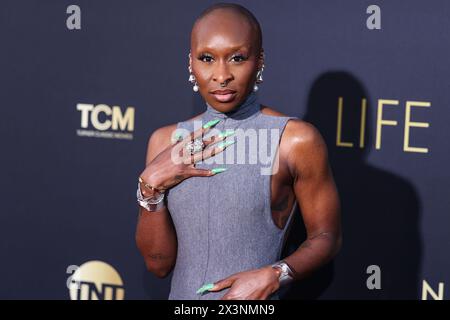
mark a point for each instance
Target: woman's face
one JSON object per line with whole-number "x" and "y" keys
{"x": 223, "y": 50}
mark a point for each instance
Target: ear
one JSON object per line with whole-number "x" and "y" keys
{"x": 261, "y": 58}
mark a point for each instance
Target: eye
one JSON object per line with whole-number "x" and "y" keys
{"x": 238, "y": 58}
{"x": 205, "y": 58}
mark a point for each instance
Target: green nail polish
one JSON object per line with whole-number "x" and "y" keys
{"x": 226, "y": 133}
{"x": 205, "y": 288}
{"x": 218, "y": 170}
{"x": 224, "y": 144}
{"x": 210, "y": 123}
{"x": 178, "y": 136}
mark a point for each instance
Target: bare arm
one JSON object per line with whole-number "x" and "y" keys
{"x": 318, "y": 199}
{"x": 155, "y": 233}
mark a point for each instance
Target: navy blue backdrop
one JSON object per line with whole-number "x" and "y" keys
{"x": 84, "y": 86}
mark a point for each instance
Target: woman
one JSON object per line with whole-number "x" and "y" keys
{"x": 220, "y": 225}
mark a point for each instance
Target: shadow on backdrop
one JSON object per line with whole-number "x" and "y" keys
{"x": 380, "y": 210}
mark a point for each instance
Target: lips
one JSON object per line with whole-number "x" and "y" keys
{"x": 224, "y": 95}
{"x": 227, "y": 91}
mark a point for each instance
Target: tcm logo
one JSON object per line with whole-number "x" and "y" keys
{"x": 106, "y": 122}
{"x": 95, "y": 280}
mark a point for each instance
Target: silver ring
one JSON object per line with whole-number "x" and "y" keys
{"x": 195, "y": 146}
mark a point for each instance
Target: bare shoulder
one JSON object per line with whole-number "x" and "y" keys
{"x": 301, "y": 133}
{"x": 161, "y": 138}
{"x": 302, "y": 145}
{"x": 297, "y": 131}
{"x": 307, "y": 148}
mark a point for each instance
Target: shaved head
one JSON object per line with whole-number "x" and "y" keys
{"x": 234, "y": 10}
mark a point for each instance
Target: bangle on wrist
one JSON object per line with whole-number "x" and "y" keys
{"x": 286, "y": 275}
{"x": 151, "y": 203}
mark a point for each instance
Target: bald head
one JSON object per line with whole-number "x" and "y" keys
{"x": 226, "y": 15}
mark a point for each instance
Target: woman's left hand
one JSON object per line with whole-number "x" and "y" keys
{"x": 256, "y": 284}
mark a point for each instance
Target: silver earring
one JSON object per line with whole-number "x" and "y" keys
{"x": 192, "y": 77}
{"x": 193, "y": 80}
{"x": 259, "y": 78}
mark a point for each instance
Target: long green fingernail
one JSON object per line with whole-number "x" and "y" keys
{"x": 218, "y": 170}
{"x": 205, "y": 288}
{"x": 224, "y": 144}
{"x": 226, "y": 133}
{"x": 210, "y": 123}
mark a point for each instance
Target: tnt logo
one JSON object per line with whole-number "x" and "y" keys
{"x": 95, "y": 280}
{"x": 108, "y": 122}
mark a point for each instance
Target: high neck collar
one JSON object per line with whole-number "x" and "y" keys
{"x": 249, "y": 107}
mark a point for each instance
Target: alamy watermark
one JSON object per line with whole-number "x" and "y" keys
{"x": 252, "y": 146}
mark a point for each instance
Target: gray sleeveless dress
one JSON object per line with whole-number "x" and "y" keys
{"x": 224, "y": 222}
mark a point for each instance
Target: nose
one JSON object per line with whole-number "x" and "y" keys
{"x": 222, "y": 73}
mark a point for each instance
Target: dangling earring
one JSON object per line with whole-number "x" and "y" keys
{"x": 192, "y": 78}
{"x": 259, "y": 78}
{"x": 259, "y": 74}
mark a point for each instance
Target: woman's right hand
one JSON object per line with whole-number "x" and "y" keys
{"x": 175, "y": 164}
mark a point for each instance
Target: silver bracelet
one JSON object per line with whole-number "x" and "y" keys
{"x": 286, "y": 275}
{"x": 150, "y": 204}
